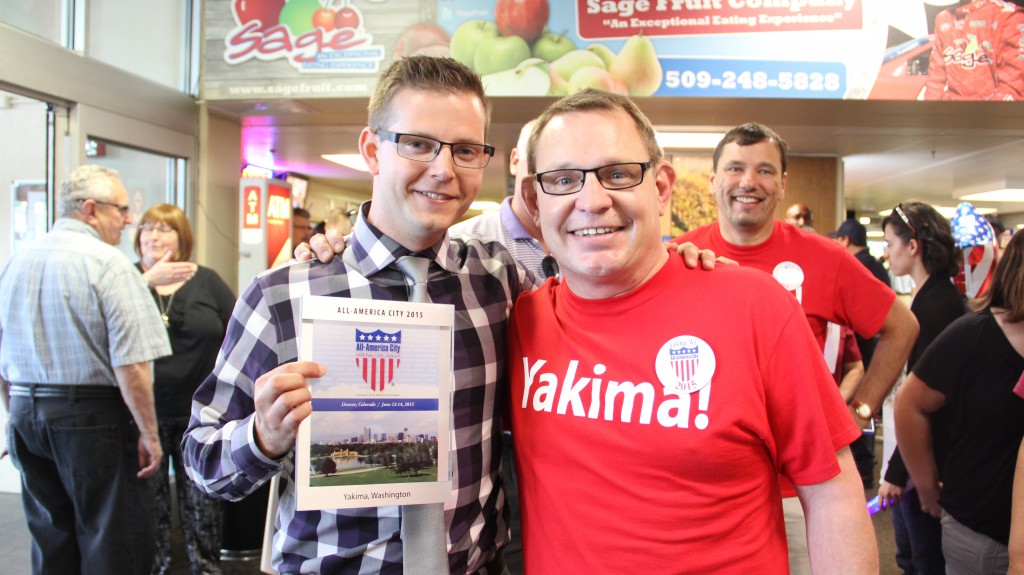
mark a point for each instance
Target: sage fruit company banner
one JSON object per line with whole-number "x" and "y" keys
{"x": 823, "y": 49}
{"x": 273, "y": 49}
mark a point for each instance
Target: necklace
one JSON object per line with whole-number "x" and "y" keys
{"x": 165, "y": 308}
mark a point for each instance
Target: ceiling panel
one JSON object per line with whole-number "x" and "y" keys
{"x": 892, "y": 151}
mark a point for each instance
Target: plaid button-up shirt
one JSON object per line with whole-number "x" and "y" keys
{"x": 481, "y": 281}
{"x": 72, "y": 308}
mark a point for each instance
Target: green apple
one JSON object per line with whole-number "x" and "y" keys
{"x": 502, "y": 53}
{"x": 567, "y": 65}
{"x": 551, "y": 46}
{"x": 603, "y": 52}
{"x": 529, "y": 78}
{"x": 297, "y": 15}
{"x": 595, "y": 77}
{"x": 468, "y": 37}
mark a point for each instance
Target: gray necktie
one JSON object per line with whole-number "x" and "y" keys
{"x": 424, "y": 550}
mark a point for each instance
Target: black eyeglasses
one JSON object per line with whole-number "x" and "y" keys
{"x": 424, "y": 149}
{"x": 611, "y": 177}
{"x": 899, "y": 212}
{"x": 123, "y": 208}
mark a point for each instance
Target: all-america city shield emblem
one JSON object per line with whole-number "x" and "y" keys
{"x": 378, "y": 354}
{"x": 685, "y": 364}
{"x": 685, "y": 361}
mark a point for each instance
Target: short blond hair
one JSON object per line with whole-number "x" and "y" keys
{"x": 427, "y": 73}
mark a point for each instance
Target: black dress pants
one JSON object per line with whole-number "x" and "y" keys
{"x": 86, "y": 509}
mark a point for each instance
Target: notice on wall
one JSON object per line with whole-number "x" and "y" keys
{"x": 820, "y": 49}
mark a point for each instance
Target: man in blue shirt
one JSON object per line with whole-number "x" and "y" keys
{"x": 78, "y": 330}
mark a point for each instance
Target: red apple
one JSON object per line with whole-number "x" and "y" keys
{"x": 523, "y": 18}
{"x": 266, "y": 11}
{"x": 324, "y": 18}
{"x": 418, "y": 37}
{"x": 347, "y": 17}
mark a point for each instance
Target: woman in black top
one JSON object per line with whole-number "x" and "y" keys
{"x": 195, "y": 309}
{"x": 919, "y": 243}
{"x": 971, "y": 370}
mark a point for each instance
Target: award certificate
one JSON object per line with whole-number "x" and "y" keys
{"x": 380, "y": 431}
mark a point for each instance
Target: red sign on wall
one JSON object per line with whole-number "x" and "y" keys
{"x": 251, "y": 208}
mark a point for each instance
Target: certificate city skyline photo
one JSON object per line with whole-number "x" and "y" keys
{"x": 375, "y": 418}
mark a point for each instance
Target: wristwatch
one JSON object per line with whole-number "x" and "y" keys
{"x": 862, "y": 409}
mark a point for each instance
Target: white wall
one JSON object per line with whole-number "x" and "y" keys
{"x": 215, "y": 213}
{"x": 144, "y": 37}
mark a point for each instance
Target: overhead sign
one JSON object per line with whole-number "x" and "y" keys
{"x": 821, "y": 49}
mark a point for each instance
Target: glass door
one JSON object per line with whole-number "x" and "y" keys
{"x": 150, "y": 178}
{"x": 26, "y": 164}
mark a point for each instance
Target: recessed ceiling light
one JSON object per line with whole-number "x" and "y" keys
{"x": 864, "y": 220}
{"x": 948, "y": 212}
{"x": 1004, "y": 195}
{"x": 352, "y": 161}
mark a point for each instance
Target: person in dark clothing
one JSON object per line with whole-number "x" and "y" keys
{"x": 195, "y": 305}
{"x": 919, "y": 243}
{"x": 971, "y": 370}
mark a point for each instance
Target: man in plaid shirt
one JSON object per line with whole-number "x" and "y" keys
{"x": 245, "y": 416}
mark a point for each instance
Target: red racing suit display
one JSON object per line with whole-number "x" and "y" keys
{"x": 978, "y": 53}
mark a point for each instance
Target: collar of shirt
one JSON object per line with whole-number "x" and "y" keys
{"x": 511, "y": 222}
{"x": 73, "y": 225}
{"x": 373, "y": 250}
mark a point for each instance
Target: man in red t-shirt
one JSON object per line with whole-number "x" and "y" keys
{"x": 655, "y": 406}
{"x": 748, "y": 181}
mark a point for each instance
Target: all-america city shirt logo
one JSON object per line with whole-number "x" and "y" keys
{"x": 685, "y": 366}
{"x": 791, "y": 276}
{"x": 378, "y": 354}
